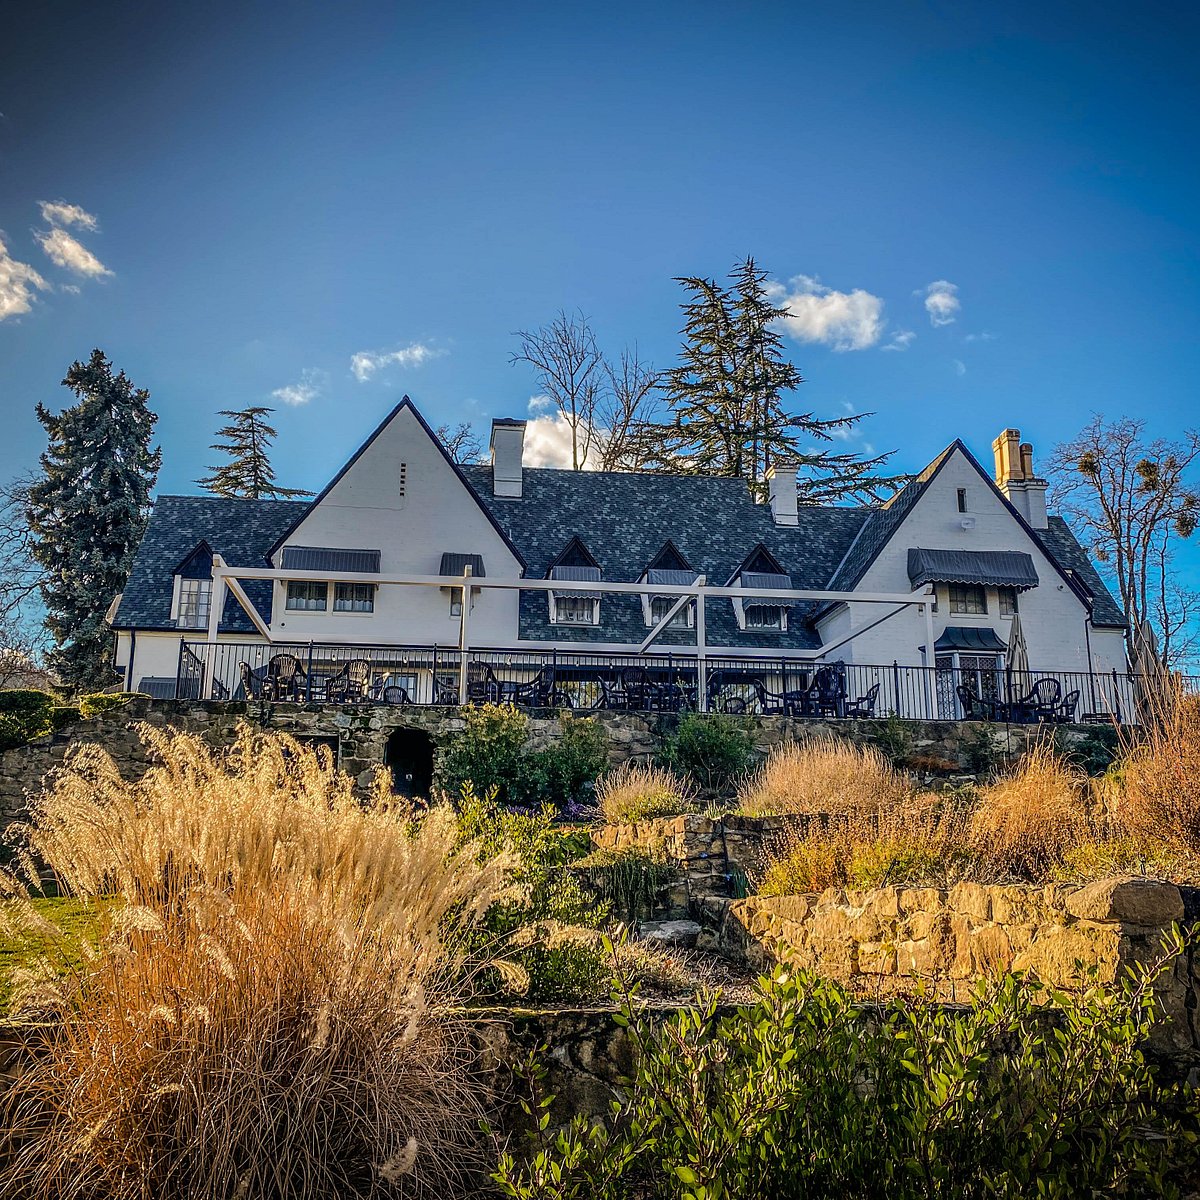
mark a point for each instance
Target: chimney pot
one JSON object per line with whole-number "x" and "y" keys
{"x": 508, "y": 446}
{"x": 782, "y": 491}
{"x": 1015, "y": 477}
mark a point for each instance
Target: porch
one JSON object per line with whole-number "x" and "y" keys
{"x": 958, "y": 688}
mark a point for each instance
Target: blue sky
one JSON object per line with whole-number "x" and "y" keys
{"x": 279, "y": 189}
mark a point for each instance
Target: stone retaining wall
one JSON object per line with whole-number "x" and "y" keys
{"x": 941, "y": 753}
{"x": 972, "y": 931}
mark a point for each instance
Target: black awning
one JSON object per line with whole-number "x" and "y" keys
{"x": 582, "y": 575}
{"x": 965, "y": 637}
{"x": 324, "y": 558}
{"x": 995, "y": 568}
{"x": 455, "y": 564}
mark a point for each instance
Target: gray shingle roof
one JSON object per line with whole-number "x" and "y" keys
{"x": 1063, "y": 546}
{"x": 241, "y": 531}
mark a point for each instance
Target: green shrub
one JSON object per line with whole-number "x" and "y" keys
{"x": 901, "y": 861}
{"x": 714, "y": 750}
{"x": 24, "y": 715}
{"x": 490, "y": 753}
{"x": 1094, "y": 751}
{"x": 553, "y": 933}
{"x": 895, "y": 740}
{"x": 805, "y": 1095}
{"x": 100, "y": 702}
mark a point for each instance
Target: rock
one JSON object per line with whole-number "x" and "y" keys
{"x": 670, "y": 933}
{"x": 1129, "y": 899}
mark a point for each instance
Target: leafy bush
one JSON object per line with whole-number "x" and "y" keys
{"x": 549, "y": 931}
{"x": 823, "y": 775}
{"x": 803, "y": 1095}
{"x": 809, "y": 864}
{"x": 266, "y": 1014}
{"x": 714, "y": 750}
{"x": 1025, "y": 822}
{"x": 895, "y": 739}
{"x": 24, "y": 715}
{"x": 491, "y": 755}
{"x": 639, "y": 791}
{"x": 100, "y": 702}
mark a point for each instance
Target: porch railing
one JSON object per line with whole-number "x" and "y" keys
{"x": 314, "y": 672}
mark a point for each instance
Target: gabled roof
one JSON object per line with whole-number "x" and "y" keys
{"x": 405, "y": 403}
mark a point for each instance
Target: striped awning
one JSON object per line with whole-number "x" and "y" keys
{"x": 325, "y": 558}
{"x": 990, "y": 568}
{"x": 966, "y": 637}
{"x": 579, "y": 574}
{"x": 761, "y": 580}
{"x": 455, "y": 564}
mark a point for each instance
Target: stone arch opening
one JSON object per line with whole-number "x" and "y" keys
{"x": 409, "y": 756}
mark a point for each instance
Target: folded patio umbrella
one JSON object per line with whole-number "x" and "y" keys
{"x": 1151, "y": 679}
{"x": 1017, "y": 658}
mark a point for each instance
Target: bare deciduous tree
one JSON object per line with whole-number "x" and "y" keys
{"x": 1130, "y": 499}
{"x": 630, "y": 405}
{"x": 23, "y": 638}
{"x": 461, "y": 441}
{"x": 570, "y": 372}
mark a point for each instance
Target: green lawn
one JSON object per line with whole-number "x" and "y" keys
{"x": 75, "y": 918}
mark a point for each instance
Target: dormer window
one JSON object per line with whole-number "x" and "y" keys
{"x": 571, "y": 607}
{"x": 761, "y": 572}
{"x": 655, "y": 608}
{"x": 195, "y": 602}
{"x": 765, "y": 616}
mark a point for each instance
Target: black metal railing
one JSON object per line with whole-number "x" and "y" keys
{"x": 314, "y": 672}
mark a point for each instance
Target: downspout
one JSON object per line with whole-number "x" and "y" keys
{"x": 129, "y": 664}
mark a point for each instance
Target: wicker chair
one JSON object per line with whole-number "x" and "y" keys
{"x": 283, "y": 678}
{"x": 350, "y": 683}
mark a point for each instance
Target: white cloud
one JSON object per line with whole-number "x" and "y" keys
{"x": 842, "y": 320}
{"x": 307, "y": 389}
{"x": 59, "y": 212}
{"x": 901, "y": 340}
{"x": 17, "y": 283}
{"x": 64, "y": 251}
{"x": 981, "y": 337}
{"x": 941, "y": 302}
{"x": 548, "y": 438}
{"x": 960, "y": 367}
{"x": 367, "y": 363}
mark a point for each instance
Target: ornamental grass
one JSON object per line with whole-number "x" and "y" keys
{"x": 639, "y": 791}
{"x": 266, "y": 1012}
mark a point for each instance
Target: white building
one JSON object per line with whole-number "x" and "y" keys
{"x": 586, "y": 574}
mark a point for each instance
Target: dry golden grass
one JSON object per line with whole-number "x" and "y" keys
{"x": 265, "y": 1016}
{"x": 638, "y": 791}
{"x": 1161, "y": 776}
{"x": 824, "y": 775}
{"x": 1026, "y": 822}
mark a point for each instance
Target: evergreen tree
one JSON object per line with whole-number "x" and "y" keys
{"x": 87, "y": 512}
{"x": 728, "y": 399}
{"x": 249, "y": 474}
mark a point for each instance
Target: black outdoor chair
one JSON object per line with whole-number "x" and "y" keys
{"x": 251, "y": 684}
{"x": 974, "y": 707}
{"x": 823, "y": 697}
{"x": 283, "y": 678}
{"x": 394, "y": 694}
{"x": 482, "y": 685}
{"x": 542, "y": 691}
{"x": 1065, "y": 713}
{"x": 350, "y": 683}
{"x": 1040, "y": 703}
{"x": 715, "y": 689}
{"x": 864, "y": 706}
{"x": 770, "y": 703}
{"x": 641, "y": 692}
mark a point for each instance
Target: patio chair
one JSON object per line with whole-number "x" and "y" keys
{"x": 251, "y": 684}
{"x": 542, "y": 691}
{"x": 641, "y": 692}
{"x": 864, "y": 706}
{"x": 283, "y": 678}
{"x": 1040, "y": 703}
{"x": 394, "y": 694}
{"x": 1065, "y": 713}
{"x": 482, "y": 685}
{"x": 718, "y": 701}
{"x": 350, "y": 683}
{"x": 974, "y": 707}
{"x": 826, "y": 694}
{"x": 770, "y": 704}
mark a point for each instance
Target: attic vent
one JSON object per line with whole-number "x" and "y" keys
{"x": 403, "y": 480}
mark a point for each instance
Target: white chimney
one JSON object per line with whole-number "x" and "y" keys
{"x": 781, "y": 490}
{"x": 508, "y": 444}
{"x": 1016, "y": 479}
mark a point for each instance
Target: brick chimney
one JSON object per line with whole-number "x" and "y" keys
{"x": 781, "y": 491}
{"x": 1015, "y": 477}
{"x": 508, "y": 445}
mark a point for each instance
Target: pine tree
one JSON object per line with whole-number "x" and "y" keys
{"x": 728, "y": 399}
{"x": 87, "y": 512}
{"x": 249, "y": 474}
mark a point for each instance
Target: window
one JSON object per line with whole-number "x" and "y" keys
{"x": 1008, "y": 602}
{"x": 962, "y": 499}
{"x": 576, "y": 610}
{"x": 303, "y": 596}
{"x": 763, "y": 616}
{"x": 968, "y": 598}
{"x": 403, "y": 479}
{"x": 455, "y": 603}
{"x": 354, "y": 597}
{"x": 195, "y": 601}
{"x": 661, "y": 605}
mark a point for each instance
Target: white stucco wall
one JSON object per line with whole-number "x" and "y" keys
{"x": 436, "y": 513}
{"x": 1052, "y": 615}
